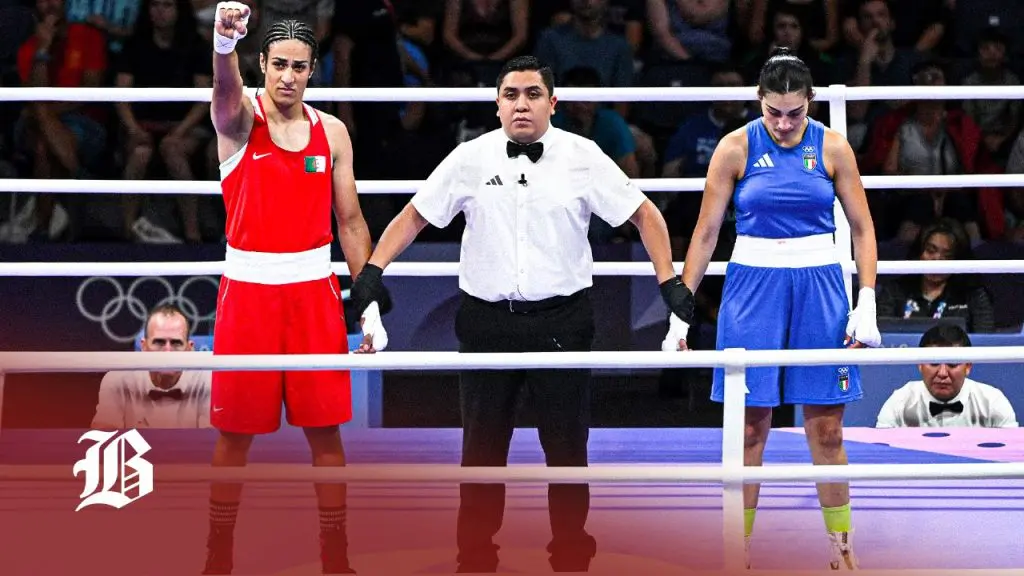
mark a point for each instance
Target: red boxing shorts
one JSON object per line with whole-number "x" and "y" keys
{"x": 294, "y": 318}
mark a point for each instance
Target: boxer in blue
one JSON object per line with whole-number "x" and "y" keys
{"x": 784, "y": 285}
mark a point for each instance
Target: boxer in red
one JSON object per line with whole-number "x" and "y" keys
{"x": 284, "y": 167}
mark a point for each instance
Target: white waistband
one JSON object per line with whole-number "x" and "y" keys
{"x": 277, "y": 268}
{"x": 817, "y": 250}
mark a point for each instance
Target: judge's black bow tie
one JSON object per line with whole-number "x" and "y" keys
{"x": 532, "y": 151}
{"x": 937, "y": 408}
{"x": 173, "y": 394}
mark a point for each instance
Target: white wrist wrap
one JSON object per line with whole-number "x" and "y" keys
{"x": 374, "y": 327}
{"x": 223, "y": 44}
{"x": 866, "y": 298}
{"x": 863, "y": 323}
{"x": 677, "y": 330}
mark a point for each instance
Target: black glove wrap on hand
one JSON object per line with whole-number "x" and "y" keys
{"x": 678, "y": 298}
{"x": 368, "y": 288}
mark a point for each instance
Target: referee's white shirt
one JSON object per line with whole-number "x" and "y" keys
{"x": 124, "y": 402}
{"x": 985, "y": 406}
{"x": 527, "y": 241}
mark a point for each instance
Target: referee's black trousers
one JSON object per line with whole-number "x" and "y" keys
{"x": 561, "y": 402}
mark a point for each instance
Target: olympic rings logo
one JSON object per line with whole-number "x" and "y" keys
{"x": 137, "y": 309}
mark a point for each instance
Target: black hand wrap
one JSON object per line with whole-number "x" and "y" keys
{"x": 678, "y": 298}
{"x": 368, "y": 288}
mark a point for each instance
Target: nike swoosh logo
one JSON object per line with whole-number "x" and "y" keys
{"x": 258, "y": 156}
{"x": 217, "y": 409}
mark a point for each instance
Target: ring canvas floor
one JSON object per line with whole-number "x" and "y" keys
{"x": 409, "y": 528}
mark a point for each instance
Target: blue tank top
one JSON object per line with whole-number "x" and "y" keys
{"x": 784, "y": 192}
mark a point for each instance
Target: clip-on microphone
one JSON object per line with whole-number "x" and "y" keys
{"x": 522, "y": 180}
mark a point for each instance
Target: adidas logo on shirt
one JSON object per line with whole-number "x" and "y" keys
{"x": 496, "y": 181}
{"x": 764, "y": 162}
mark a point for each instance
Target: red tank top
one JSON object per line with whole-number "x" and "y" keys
{"x": 278, "y": 200}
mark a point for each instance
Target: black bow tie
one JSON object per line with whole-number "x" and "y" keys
{"x": 937, "y": 408}
{"x": 173, "y": 394}
{"x": 532, "y": 151}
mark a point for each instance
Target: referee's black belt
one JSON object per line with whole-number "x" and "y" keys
{"x": 530, "y": 306}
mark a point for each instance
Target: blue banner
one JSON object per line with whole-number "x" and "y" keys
{"x": 107, "y": 313}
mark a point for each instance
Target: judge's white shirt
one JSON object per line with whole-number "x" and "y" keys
{"x": 125, "y": 402}
{"x": 984, "y": 406}
{"x": 526, "y": 222}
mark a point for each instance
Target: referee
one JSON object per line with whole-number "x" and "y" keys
{"x": 527, "y": 191}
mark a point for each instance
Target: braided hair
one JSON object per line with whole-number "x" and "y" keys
{"x": 290, "y": 30}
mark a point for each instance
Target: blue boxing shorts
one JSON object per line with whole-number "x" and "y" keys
{"x": 786, "y": 294}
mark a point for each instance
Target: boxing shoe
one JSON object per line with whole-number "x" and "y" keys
{"x": 219, "y": 556}
{"x": 334, "y": 552}
{"x": 841, "y": 555}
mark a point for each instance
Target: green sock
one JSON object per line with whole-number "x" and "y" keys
{"x": 748, "y": 519}
{"x": 837, "y": 519}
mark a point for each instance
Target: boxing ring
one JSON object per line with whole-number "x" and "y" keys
{"x": 664, "y": 501}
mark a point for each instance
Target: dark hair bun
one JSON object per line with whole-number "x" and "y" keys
{"x": 784, "y": 72}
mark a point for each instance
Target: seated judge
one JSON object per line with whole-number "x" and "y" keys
{"x": 945, "y": 396}
{"x": 141, "y": 399}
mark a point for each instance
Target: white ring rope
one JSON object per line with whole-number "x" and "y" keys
{"x": 439, "y": 269}
{"x": 730, "y": 473}
{"x": 15, "y": 362}
{"x": 634, "y": 94}
{"x": 539, "y": 473}
{"x": 212, "y": 188}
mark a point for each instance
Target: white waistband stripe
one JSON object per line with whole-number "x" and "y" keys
{"x": 277, "y": 268}
{"x": 818, "y": 250}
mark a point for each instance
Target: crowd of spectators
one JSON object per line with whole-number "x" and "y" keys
{"x": 462, "y": 43}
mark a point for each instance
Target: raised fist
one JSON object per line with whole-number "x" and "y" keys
{"x": 230, "y": 25}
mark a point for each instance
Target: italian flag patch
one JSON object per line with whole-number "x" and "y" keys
{"x": 316, "y": 164}
{"x": 810, "y": 161}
